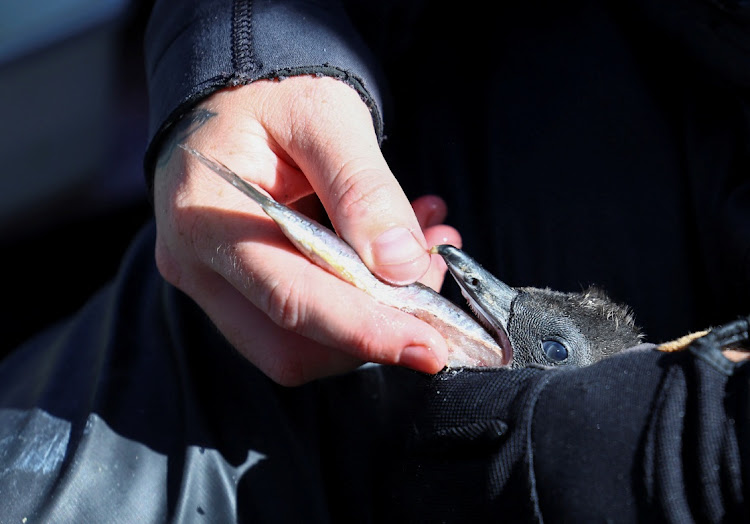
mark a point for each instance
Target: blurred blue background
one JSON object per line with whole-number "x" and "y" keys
{"x": 72, "y": 191}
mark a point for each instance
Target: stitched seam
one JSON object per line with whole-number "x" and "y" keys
{"x": 243, "y": 57}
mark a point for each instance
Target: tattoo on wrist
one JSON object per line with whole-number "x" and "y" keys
{"x": 186, "y": 126}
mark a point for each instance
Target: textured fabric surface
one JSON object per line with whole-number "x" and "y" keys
{"x": 603, "y": 142}
{"x": 578, "y": 143}
{"x": 196, "y": 47}
{"x": 137, "y": 410}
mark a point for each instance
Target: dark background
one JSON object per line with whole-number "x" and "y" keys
{"x": 74, "y": 184}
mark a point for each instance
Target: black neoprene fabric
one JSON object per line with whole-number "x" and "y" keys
{"x": 578, "y": 142}
{"x": 136, "y": 410}
{"x": 196, "y": 47}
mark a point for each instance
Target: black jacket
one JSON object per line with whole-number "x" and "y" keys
{"x": 576, "y": 143}
{"x": 136, "y": 410}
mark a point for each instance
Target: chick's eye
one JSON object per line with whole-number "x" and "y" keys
{"x": 554, "y": 350}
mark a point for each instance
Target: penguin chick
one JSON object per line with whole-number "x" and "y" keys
{"x": 541, "y": 326}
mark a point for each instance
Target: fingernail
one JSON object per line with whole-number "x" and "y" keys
{"x": 399, "y": 256}
{"x": 420, "y": 358}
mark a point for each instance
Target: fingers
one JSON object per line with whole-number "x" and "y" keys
{"x": 292, "y": 358}
{"x": 291, "y": 318}
{"x": 437, "y": 235}
{"x": 430, "y": 211}
{"x": 333, "y": 142}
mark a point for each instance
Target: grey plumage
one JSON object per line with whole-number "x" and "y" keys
{"x": 589, "y": 325}
{"x": 542, "y": 326}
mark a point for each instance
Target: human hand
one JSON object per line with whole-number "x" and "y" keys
{"x": 296, "y": 138}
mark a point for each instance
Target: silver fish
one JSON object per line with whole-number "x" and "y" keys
{"x": 469, "y": 344}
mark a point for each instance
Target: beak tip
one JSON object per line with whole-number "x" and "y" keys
{"x": 443, "y": 249}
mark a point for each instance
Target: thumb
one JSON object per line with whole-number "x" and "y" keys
{"x": 335, "y": 145}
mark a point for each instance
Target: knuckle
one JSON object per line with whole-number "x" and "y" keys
{"x": 284, "y": 305}
{"x": 360, "y": 190}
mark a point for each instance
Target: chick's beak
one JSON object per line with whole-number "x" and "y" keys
{"x": 489, "y": 298}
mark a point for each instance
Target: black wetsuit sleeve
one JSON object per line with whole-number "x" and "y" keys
{"x": 196, "y": 47}
{"x": 137, "y": 409}
{"x": 644, "y": 436}
{"x": 670, "y": 427}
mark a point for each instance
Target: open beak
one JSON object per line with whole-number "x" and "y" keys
{"x": 489, "y": 298}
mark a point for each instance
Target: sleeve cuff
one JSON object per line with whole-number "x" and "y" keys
{"x": 194, "y": 48}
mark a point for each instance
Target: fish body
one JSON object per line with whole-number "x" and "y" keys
{"x": 469, "y": 344}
